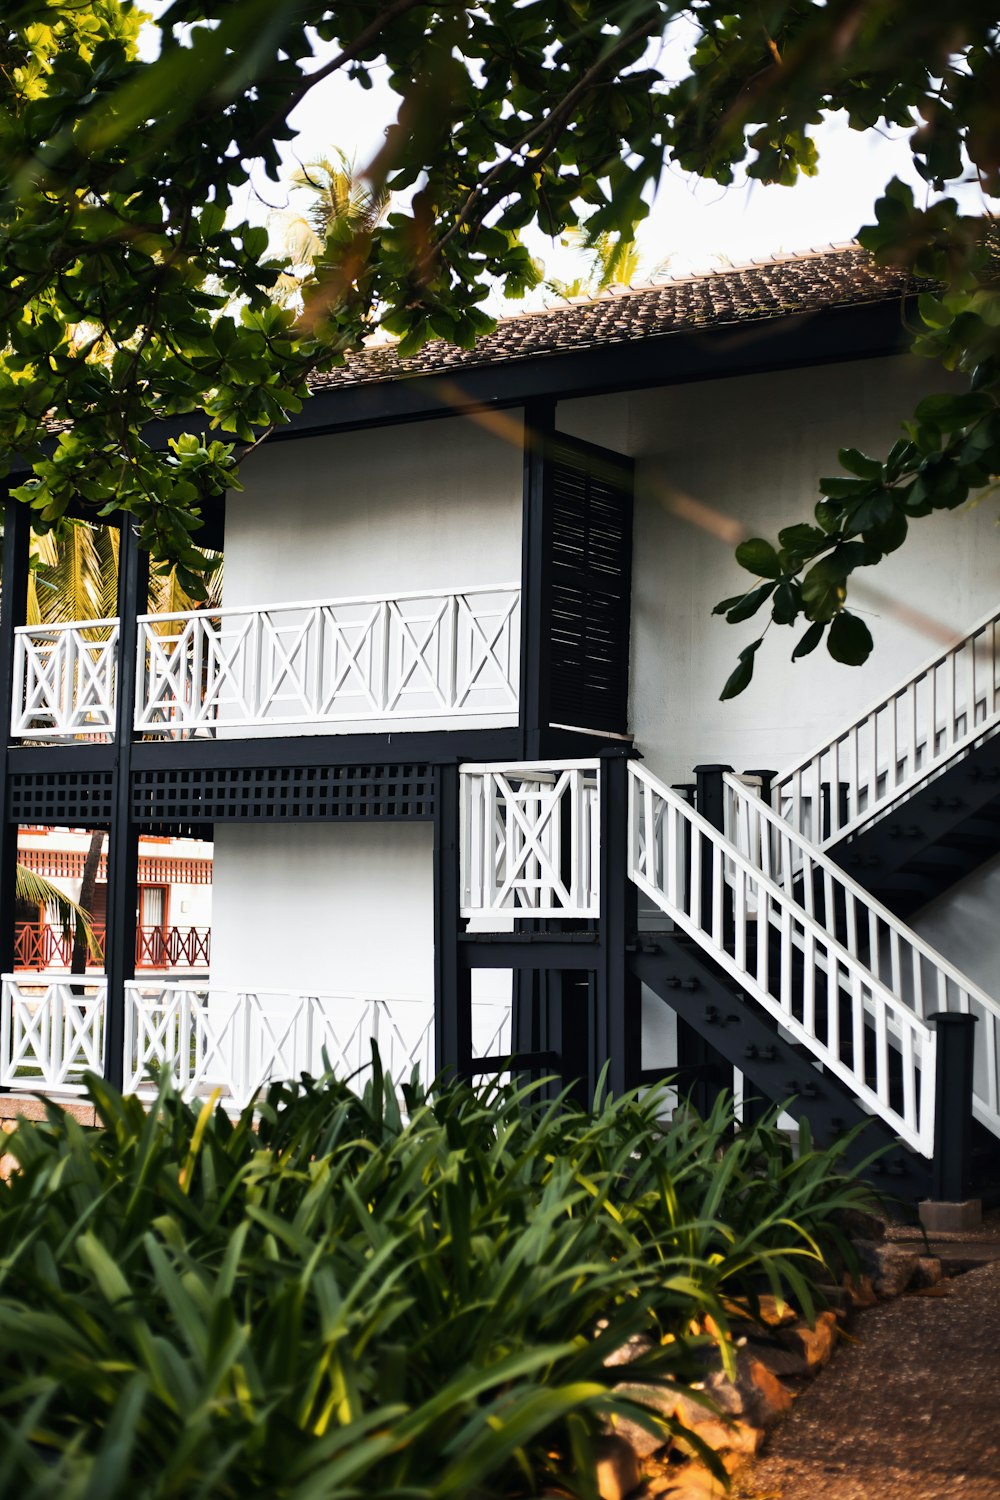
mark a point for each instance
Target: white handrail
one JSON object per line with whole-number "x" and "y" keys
{"x": 401, "y": 596}
{"x": 673, "y": 851}
{"x": 896, "y": 955}
{"x": 948, "y": 704}
{"x": 51, "y": 1031}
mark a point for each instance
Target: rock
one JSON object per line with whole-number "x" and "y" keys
{"x": 815, "y": 1345}
{"x": 634, "y": 1348}
{"x": 726, "y": 1437}
{"x": 763, "y": 1397}
{"x": 927, "y": 1274}
{"x": 642, "y": 1442}
{"x": 860, "y": 1293}
{"x": 618, "y": 1471}
{"x": 891, "y": 1267}
{"x": 692, "y": 1481}
{"x": 858, "y": 1224}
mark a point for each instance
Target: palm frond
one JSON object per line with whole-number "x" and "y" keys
{"x": 35, "y": 890}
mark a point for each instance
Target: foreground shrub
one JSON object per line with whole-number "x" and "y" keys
{"x": 364, "y": 1299}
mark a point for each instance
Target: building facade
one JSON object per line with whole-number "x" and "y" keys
{"x": 456, "y": 738}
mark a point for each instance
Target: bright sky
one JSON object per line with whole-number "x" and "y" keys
{"x": 694, "y": 225}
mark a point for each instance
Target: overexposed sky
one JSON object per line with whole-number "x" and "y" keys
{"x": 693, "y": 225}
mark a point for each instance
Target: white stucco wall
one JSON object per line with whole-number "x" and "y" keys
{"x": 430, "y": 506}
{"x": 962, "y": 924}
{"x": 715, "y": 457}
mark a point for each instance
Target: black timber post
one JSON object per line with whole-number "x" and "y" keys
{"x": 452, "y": 980}
{"x": 13, "y": 611}
{"x": 123, "y": 843}
{"x": 617, "y": 1000}
{"x": 536, "y": 577}
{"x": 956, "y": 1043}
{"x": 693, "y": 1052}
{"x": 766, "y": 779}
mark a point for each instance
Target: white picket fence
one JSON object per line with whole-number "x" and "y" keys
{"x": 419, "y": 655}
{"x": 939, "y": 713}
{"x": 530, "y": 839}
{"x": 712, "y": 891}
{"x": 64, "y": 681}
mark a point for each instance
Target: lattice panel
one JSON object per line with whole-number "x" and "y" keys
{"x": 283, "y": 795}
{"x": 61, "y": 799}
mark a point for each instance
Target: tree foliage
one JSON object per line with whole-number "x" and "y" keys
{"x": 132, "y": 292}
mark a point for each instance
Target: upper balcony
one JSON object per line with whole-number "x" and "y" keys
{"x": 437, "y": 659}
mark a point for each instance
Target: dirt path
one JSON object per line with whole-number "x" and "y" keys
{"x": 908, "y": 1411}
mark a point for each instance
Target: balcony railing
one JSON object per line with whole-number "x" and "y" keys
{"x": 430, "y": 655}
{"x": 531, "y": 839}
{"x": 64, "y": 681}
{"x": 332, "y": 662}
{"x": 40, "y": 946}
{"x": 52, "y": 1031}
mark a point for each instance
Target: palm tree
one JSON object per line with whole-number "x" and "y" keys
{"x": 612, "y": 260}
{"x": 337, "y": 196}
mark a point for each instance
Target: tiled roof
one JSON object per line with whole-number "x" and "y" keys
{"x": 841, "y": 277}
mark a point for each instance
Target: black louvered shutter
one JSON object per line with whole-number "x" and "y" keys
{"x": 590, "y": 587}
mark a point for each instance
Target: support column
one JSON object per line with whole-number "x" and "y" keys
{"x": 956, "y": 1046}
{"x": 452, "y": 981}
{"x": 536, "y": 578}
{"x": 13, "y": 611}
{"x": 617, "y": 1028}
{"x": 123, "y": 841}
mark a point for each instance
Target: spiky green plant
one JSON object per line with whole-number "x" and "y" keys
{"x": 409, "y": 1296}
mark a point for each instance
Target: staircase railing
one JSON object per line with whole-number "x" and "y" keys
{"x": 944, "y": 708}
{"x": 909, "y": 967}
{"x": 830, "y": 1002}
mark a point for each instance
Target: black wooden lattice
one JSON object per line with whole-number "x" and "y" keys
{"x": 61, "y": 798}
{"x": 287, "y": 794}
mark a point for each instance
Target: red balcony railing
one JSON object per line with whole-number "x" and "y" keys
{"x": 39, "y": 946}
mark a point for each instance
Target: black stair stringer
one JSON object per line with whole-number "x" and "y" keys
{"x": 746, "y": 1037}
{"x": 943, "y": 831}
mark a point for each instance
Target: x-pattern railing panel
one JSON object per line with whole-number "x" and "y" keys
{"x": 51, "y": 1031}
{"x": 64, "y": 679}
{"x": 404, "y": 656}
{"x": 844, "y": 1014}
{"x": 530, "y": 839}
{"x": 239, "y": 1041}
{"x": 911, "y": 734}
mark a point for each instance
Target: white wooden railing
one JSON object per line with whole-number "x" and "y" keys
{"x": 51, "y": 1031}
{"x": 916, "y": 731}
{"x": 906, "y": 965}
{"x": 419, "y": 655}
{"x": 239, "y": 1041}
{"x": 64, "y": 681}
{"x": 530, "y": 839}
{"x": 715, "y": 893}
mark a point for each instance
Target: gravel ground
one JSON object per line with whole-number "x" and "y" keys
{"x": 909, "y": 1410}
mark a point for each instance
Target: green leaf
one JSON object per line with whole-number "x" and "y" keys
{"x": 759, "y": 557}
{"x": 740, "y": 678}
{"x": 750, "y": 603}
{"x": 849, "y": 639}
{"x": 809, "y": 641}
{"x": 858, "y": 463}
